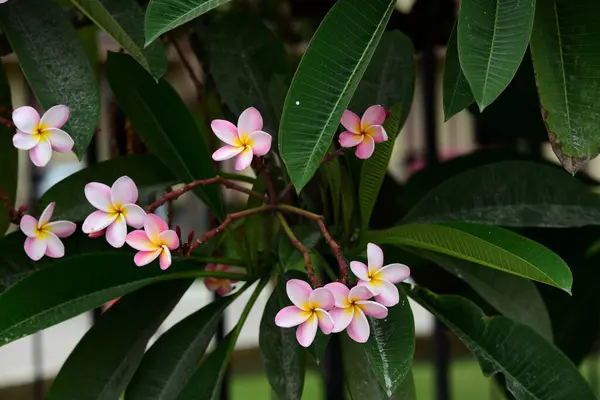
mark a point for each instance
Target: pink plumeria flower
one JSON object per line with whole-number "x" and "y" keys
{"x": 364, "y": 133}
{"x": 43, "y": 236}
{"x": 222, "y": 286}
{"x": 352, "y": 306}
{"x": 41, "y": 136}
{"x": 244, "y": 141}
{"x": 156, "y": 240}
{"x": 379, "y": 279}
{"x": 116, "y": 209}
{"x": 309, "y": 311}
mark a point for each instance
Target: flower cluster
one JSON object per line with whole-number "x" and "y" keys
{"x": 335, "y": 307}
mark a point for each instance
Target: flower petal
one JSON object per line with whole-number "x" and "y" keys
{"x": 291, "y": 316}
{"x": 154, "y": 225}
{"x": 299, "y": 292}
{"x": 61, "y": 229}
{"x": 225, "y": 288}
{"x": 56, "y": 116}
{"x": 26, "y": 119}
{"x": 388, "y": 294}
{"x": 307, "y": 331}
{"x": 321, "y": 298}
{"x": 340, "y": 293}
{"x": 244, "y": 160}
{"x": 359, "y": 330}
{"x": 25, "y": 141}
{"x": 146, "y": 257}
{"x": 123, "y": 191}
{"x": 117, "y": 232}
{"x": 373, "y": 285}
{"x": 212, "y": 284}
{"x": 249, "y": 121}
{"x": 139, "y": 241}
{"x": 394, "y": 273}
{"x": 98, "y": 194}
{"x": 349, "y": 139}
{"x": 46, "y": 214}
{"x": 360, "y": 270}
{"x": 28, "y": 226}
{"x": 260, "y": 142}
{"x": 226, "y": 152}
{"x": 361, "y": 292}
{"x": 134, "y": 215}
{"x": 97, "y": 221}
{"x": 165, "y": 258}
{"x": 351, "y": 121}
{"x": 375, "y": 258}
{"x": 35, "y": 247}
{"x": 55, "y": 248}
{"x": 373, "y": 309}
{"x": 226, "y": 131}
{"x": 60, "y": 140}
{"x": 325, "y": 321}
{"x": 41, "y": 153}
{"x": 375, "y": 115}
{"x": 378, "y": 133}
{"x": 169, "y": 239}
{"x": 341, "y": 318}
{"x": 366, "y": 148}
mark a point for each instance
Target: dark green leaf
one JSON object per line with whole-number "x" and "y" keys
{"x": 528, "y": 362}
{"x": 492, "y": 38}
{"x": 174, "y": 357}
{"x": 457, "y": 92}
{"x": 486, "y": 245}
{"x": 9, "y": 156}
{"x": 318, "y": 347}
{"x": 106, "y": 358}
{"x": 123, "y": 20}
{"x": 54, "y": 63}
{"x": 325, "y": 81}
{"x": 164, "y": 122}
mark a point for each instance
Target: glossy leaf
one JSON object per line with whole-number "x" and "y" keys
{"x": 147, "y": 172}
{"x": 171, "y": 361}
{"x": 122, "y": 334}
{"x": 486, "y": 245}
{"x": 511, "y": 193}
{"x": 457, "y": 93}
{"x": 54, "y": 63}
{"x": 165, "y": 15}
{"x": 528, "y": 362}
{"x": 8, "y": 154}
{"x": 564, "y": 47}
{"x": 123, "y": 20}
{"x": 325, "y": 81}
{"x": 164, "y": 122}
{"x": 492, "y": 38}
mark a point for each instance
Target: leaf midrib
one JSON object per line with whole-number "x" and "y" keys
{"x": 562, "y": 69}
{"x": 487, "y": 70}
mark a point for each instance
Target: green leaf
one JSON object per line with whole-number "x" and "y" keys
{"x": 391, "y": 346}
{"x": 165, "y": 15}
{"x": 289, "y": 257}
{"x": 457, "y": 92}
{"x": 8, "y": 154}
{"x": 527, "y": 360}
{"x": 148, "y": 173}
{"x": 106, "y": 358}
{"x": 511, "y": 193}
{"x": 325, "y": 81}
{"x": 284, "y": 358}
{"x": 492, "y": 38}
{"x": 486, "y": 245}
{"x": 54, "y": 63}
{"x": 123, "y": 20}
{"x": 166, "y": 125}
{"x": 318, "y": 347}
{"x": 171, "y": 361}
{"x": 564, "y": 47}
{"x": 237, "y": 46}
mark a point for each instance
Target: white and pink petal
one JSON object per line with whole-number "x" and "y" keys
{"x": 374, "y": 257}
{"x": 98, "y": 194}
{"x": 154, "y": 225}
{"x": 291, "y": 316}
{"x": 244, "y": 159}
{"x": 169, "y": 239}
{"x": 340, "y": 293}
{"x": 348, "y": 139}
{"x": 123, "y": 191}
{"x": 62, "y": 229}
{"x": 388, "y": 294}
{"x": 139, "y": 241}
{"x": 366, "y": 148}
{"x": 35, "y": 247}
{"x": 55, "y": 247}
{"x": 321, "y": 298}
{"x": 341, "y": 318}
{"x": 374, "y": 115}
{"x": 117, "y": 232}
{"x": 394, "y": 273}
{"x": 226, "y": 131}
{"x": 26, "y": 119}
{"x": 146, "y": 257}
{"x": 361, "y": 292}
{"x": 97, "y": 221}
{"x": 373, "y": 309}
{"x": 25, "y": 141}
{"x": 378, "y": 133}
{"x": 299, "y": 292}
{"x": 29, "y": 226}
{"x": 249, "y": 121}
{"x": 358, "y": 329}
{"x": 360, "y": 270}
{"x": 56, "y": 116}
{"x": 134, "y": 215}
{"x": 306, "y": 332}
{"x": 260, "y": 142}
{"x": 227, "y": 152}
{"x": 60, "y": 140}
{"x": 351, "y": 122}
{"x": 165, "y": 258}
{"x": 326, "y": 323}
{"x": 41, "y": 154}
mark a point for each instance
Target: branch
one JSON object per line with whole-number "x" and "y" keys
{"x": 302, "y": 249}
{"x": 6, "y": 122}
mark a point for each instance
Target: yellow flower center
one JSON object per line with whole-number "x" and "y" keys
{"x": 118, "y": 209}
{"x": 41, "y": 132}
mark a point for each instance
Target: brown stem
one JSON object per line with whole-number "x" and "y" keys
{"x": 302, "y": 249}
{"x": 190, "y": 71}
{"x": 6, "y": 122}
{"x": 270, "y": 187}
{"x": 14, "y": 214}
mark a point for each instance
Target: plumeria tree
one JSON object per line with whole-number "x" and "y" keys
{"x": 310, "y": 134}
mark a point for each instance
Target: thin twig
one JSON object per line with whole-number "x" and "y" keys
{"x": 6, "y": 122}
{"x": 302, "y": 249}
{"x": 270, "y": 187}
{"x": 190, "y": 71}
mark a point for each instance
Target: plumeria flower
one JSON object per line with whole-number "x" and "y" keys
{"x": 116, "y": 209}
{"x": 43, "y": 236}
{"x": 309, "y": 311}
{"x": 41, "y": 136}
{"x": 156, "y": 240}
{"x": 244, "y": 141}
{"x": 352, "y": 306}
{"x": 220, "y": 285}
{"x": 364, "y": 133}
{"x": 381, "y": 280}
